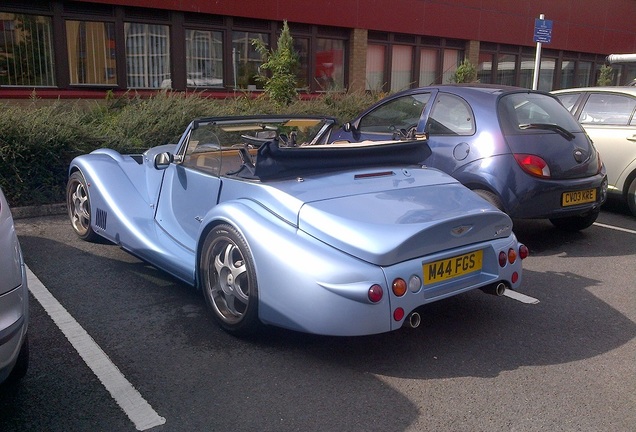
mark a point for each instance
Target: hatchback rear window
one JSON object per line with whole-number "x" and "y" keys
{"x": 518, "y": 111}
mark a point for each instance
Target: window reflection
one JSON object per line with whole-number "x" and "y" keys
{"x": 375, "y": 67}
{"x": 246, "y": 60}
{"x": 147, "y": 55}
{"x": 204, "y": 58}
{"x": 26, "y": 50}
{"x": 452, "y": 58}
{"x": 428, "y": 66}
{"x": 329, "y": 72}
{"x": 91, "y": 52}
{"x": 401, "y": 67}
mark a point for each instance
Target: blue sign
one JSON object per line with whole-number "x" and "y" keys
{"x": 542, "y": 30}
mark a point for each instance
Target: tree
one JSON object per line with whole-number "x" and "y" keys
{"x": 465, "y": 73}
{"x": 282, "y": 63}
{"x": 605, "y": 76}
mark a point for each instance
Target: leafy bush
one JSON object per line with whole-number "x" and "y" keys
{"x": 282, "y": 62}
{"x": 465, "y": 73}
{"x": 37, "y": 142}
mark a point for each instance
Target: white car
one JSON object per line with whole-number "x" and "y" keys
{"x": 608, "y": 115}
{"x": 14, "y": 301}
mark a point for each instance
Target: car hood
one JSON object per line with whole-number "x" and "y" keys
{"x": 386, "y": 216}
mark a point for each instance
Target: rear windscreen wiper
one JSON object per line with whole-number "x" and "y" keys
{"x": 549, "y": 126}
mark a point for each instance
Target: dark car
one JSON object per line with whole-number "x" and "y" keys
{"x": 520, "y": 149}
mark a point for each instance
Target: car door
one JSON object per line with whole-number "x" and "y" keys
{"x": 190, "y": 189}
{"x": 451, "y": 133}
{"x": 610, "y": 121}
{"x": 388, "y": 119}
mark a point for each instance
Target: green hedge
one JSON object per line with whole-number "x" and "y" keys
{"x": 37, "y": 142}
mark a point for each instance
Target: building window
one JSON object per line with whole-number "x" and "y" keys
{"x": 506, "y": 69}
{"x": 91, "y": 52}
{"x": 147, "y": 55}
{"x": 484, "y": 68}
{"x": 583, "y": 74}
{"x": 428, "y": 66}
{"x": 546, "y": 74}
{"x": 452, "y": 59}
{"x": 526, "y": 75}
{"x": 26, "y": 50}
{"x": 204, "y": 58}
{"x": 375, "y": 67}
{"x": 246, "y": 61}
{"x": 329, "y": 71}
{"x": 301, "y": 48}
{"x": 401, "y": 67}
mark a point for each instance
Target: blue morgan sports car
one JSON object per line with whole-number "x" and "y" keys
{"x": 278, "y": 228}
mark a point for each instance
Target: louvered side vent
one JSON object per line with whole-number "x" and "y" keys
{"x": 100, "y": 218}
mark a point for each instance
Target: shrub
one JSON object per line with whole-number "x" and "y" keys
{"x": 38, "y": 142}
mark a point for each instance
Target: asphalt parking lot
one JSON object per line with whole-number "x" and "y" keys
{"x": 477, "y": 362}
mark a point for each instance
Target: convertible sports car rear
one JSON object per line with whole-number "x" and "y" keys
{"x": 277, "y": 228}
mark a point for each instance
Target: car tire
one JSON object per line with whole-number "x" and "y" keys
{"x": 631, "y": 196}
{"x": 575, "y": 223}
{"x": 21, "y": 365}
{"x": 79, "y": 207}
{"x": 490, "y": 197}
{"x": 228, "y": 280}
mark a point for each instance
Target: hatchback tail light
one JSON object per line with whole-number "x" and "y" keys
{"x": 533, "y": 165}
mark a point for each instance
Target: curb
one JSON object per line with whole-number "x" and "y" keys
{"x": 38, "y": 211}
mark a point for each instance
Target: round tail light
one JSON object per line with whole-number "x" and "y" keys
{"x": 399, "y": 287}
{"x": 512, "y": 256}
{"x": 398, "y": 314}
{"x": 523, "y": 252}
{"x": 375, "y": 293}
{"x": 502, "y": 259}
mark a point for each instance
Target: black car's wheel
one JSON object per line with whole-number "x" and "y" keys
{"x": 228, "y": 280}
{"x": 490, "y": 197}
{"x": 79, "y": 208}
{"x": 631, "y": 197}
{"x": 575, "y": 223}
{"x": 22, "y": 364}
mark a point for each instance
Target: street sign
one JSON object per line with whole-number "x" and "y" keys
{"x": 542, "y": 30}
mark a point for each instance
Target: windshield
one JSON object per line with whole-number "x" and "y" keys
{"x": 261, "y": 148}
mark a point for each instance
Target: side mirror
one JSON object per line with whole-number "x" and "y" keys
{"x": 346, "y": 127}
{"x": 163, "y": 160}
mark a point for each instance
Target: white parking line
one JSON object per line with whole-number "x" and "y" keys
{"x": 615, "y": 228}
{"x": 127, "y": 397}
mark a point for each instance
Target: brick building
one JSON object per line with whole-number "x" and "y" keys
{"x": 86, "y": 48}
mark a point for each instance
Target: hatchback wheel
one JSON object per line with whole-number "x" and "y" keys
{"x": 631, "y": 197}
{"x": 228, "y": 279}
{"x": 575, "y": 223}
{"x": 490, "y": 197}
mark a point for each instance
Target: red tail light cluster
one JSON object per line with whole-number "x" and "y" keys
{"x": 512, "y": 255}
{"x": 533, "y": 165}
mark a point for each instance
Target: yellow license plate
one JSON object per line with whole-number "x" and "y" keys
{"x": 450, "y": 268}
{"x": 578, "y": 197}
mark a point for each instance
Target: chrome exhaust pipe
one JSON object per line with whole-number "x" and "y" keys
{"x": 414, "y": 320}
{"x": 497, "y": 289}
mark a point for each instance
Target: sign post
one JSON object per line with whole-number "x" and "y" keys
{"x": 542, "y": 34}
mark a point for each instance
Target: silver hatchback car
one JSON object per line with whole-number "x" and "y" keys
{"x": 14, "y": 301}
{"x": 608, "y": 115}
